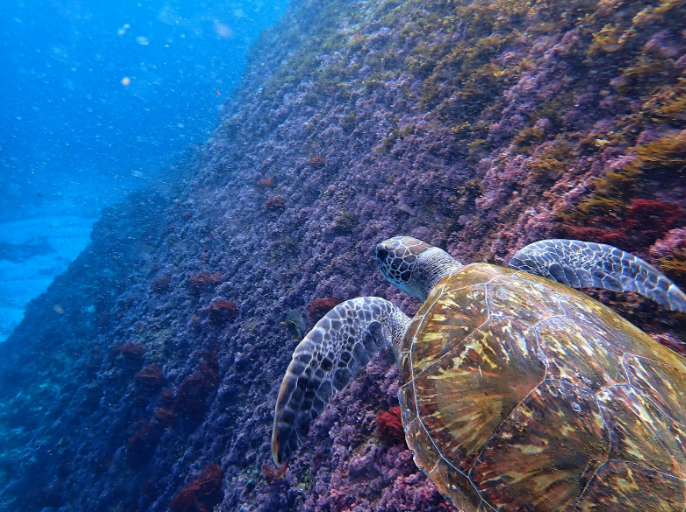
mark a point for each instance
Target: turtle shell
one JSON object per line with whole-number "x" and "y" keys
{"x": 522, "y": 394}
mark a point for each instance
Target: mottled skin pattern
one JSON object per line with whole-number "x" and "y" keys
{"x": 327, "y": 359}
{"x": 524, "y": 394}
{"x": 412, "y": 265}
{"x": 518, "y": 393}
{"x": 587, "y": 264}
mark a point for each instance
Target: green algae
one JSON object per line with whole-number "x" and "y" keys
{"x": 670, "y": 105}
{"x": 666, "y": 154}
{"x": 349, "y": 122}
{"x": 473, "y": 186}
{"x": 344, "y": 223}
{"x": 552, "y": 111}
{"x": 661, "y": 159}
{"x": 675, "y": 267}
{"x": 454, "y": 59}
{"x": 459, "y": 78}
{"x": 552, "y": 160}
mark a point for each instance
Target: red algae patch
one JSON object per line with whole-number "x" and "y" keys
{"x": 191, "y": 397}
{"x": 131, "y": 354}
{"x": 149, "y": 379}
{"x": 390, "y": 426}
{"x": 202, "y": 494}
{"x": 161, "y": 284}
{"x": 272, "y": 473}
{"x": 223, "y": 311}
{"x": 644, "y": 221}
{"x": 274, "y": 204}
{"x": 317, "y": 161}
{"x": 317, "y": 308}
{"x": 141, "y": 446}
{"x": 266, "y": 182}
{"x": 204, "y": 281}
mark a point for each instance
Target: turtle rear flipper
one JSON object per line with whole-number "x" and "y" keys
{"x": 326, "y": 359}
{"x": 587, "y": 264}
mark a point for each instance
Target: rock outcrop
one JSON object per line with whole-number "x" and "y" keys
{"x": 477, "y": 126}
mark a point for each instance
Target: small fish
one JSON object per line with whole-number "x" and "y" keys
{"x": 216, "y": 91}
{"x": 295, "y": 322}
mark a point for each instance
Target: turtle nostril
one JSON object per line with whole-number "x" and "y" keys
{"x": 381, "y": 253}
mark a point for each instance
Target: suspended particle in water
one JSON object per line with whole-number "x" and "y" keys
{"x": 222, "y": 30}
{"x": 126, "y": 81}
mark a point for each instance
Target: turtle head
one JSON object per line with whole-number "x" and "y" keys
{"x": 412, "y": 265}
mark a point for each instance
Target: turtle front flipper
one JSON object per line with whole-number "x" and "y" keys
{"x": 329, "y": 357}
{"x": 587, "y": 264}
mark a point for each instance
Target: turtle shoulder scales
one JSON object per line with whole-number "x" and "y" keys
{"x": 519, "y": 393}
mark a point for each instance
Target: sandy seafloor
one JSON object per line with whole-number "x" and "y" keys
{"x": 32, "y": 252}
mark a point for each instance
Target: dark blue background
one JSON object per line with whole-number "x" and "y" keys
{"x": 71, "y": 133}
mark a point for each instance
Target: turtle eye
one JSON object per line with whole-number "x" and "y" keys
{"x": 381, "y": 253}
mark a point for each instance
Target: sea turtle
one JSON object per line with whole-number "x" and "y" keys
{"x": 517, "y": 392}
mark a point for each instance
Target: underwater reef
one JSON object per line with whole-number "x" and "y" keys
{"x": 145, "y": 378}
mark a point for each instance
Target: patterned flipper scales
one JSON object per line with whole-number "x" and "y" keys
{"x": 329, "y": 357}
{"x": 587, "y": 264}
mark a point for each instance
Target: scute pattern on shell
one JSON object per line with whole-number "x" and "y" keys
{"x": 522, "y": 394}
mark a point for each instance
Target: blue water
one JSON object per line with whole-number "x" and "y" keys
{"x": 101, "y": 99}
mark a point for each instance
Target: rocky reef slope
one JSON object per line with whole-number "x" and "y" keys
{"x": 145, "y": 378}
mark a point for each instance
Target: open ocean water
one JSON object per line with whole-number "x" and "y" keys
{"x": 100, "y": 100}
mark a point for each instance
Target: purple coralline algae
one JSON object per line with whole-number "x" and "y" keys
{"x": 478, "y": 126}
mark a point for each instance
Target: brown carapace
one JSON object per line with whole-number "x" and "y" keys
{"x": 522, "y": 394}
